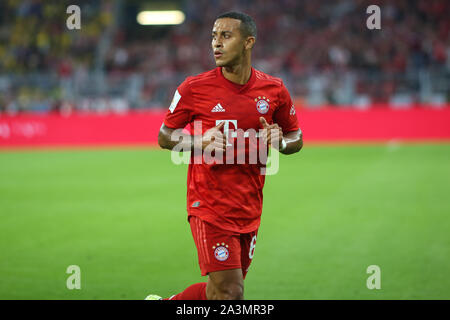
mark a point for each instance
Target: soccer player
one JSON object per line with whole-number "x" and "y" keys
{"x": 224, "y": 201}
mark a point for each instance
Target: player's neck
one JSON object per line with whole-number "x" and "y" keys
{"x": 239, "y": 74}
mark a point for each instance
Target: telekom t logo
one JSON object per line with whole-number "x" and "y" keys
{"x": 226, "y": 128}
{"x": 235, "y": 136}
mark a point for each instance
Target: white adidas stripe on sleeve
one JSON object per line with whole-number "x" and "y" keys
{"x": 175, "y": 100}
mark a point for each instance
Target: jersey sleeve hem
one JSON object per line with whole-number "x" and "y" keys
{"x": 292, "y": 129}
{"x": 170, "y": 125}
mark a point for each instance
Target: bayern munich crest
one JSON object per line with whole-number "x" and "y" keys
{"x": 221, "y": 252}
{"x": 262, "y": 104}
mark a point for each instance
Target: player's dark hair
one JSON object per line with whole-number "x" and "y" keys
{"x": 248, "y": 25}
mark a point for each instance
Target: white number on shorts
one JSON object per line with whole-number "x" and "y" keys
{"x": 252, "y": 247}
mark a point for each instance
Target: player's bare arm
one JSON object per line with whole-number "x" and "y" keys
{"x": 293, "y": 141}
{"x": 212, "y": 137}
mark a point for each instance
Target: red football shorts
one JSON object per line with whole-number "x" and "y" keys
{"x": 221, "y": 249}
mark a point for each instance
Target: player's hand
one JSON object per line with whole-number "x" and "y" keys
{"x": 271, "y": 132}
{"x": 214, "y": 138}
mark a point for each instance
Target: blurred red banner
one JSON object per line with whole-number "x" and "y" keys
{"x": 141, "y": 128}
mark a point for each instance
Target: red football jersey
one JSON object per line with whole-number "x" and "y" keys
{"x": 229, "y": 195}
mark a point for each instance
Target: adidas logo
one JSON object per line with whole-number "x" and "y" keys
{"x": 218, "y": 108}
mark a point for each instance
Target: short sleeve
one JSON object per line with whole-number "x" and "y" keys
{"x": 285, "y": 115}
{"x": 181, "y": 108}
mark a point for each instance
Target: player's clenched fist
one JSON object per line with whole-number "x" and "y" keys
{"x": 214, "y": 138}
{"x": 271, "y": 133}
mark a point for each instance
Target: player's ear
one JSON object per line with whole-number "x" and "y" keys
{"x": 250, "y": 42}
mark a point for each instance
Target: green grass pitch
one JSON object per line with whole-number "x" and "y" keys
{"x": 329, "y": 213}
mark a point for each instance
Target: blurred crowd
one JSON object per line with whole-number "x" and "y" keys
{"x": 38, "y": 53}
{"x": 322, "y": 49}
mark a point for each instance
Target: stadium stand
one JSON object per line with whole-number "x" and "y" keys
{"x": 322, "y": 50}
